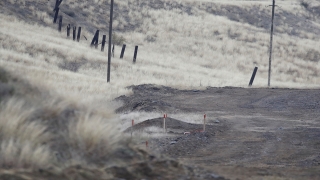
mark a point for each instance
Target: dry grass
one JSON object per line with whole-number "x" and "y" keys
{"x": 22, "y": 141}
{"x": 92, "y": 135}
{"x": 14, "y": 124}
{"x": 45, "y": 131}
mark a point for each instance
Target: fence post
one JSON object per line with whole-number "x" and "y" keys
{"x": 132, "y": 128}
{"x": 95, "y": 39}
{"x": 112, "y": 50}
{"x": 68, "y": 30}
{"x": 60, "y": 23}
{"x": 122, "y": 51}
{"x": 135, "y": 54}
{"x": 56, "y": 15}
{"x": 103, "y": 42}
{"x": 253, "y": 76}
{"x": 57, "y": 5}
{"x": 74, "y": 33}
{"x": 79, "y": 34}
{"x": 204, "y": 122}
{"x": 164, "y": 123}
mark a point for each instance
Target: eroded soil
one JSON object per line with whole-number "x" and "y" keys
{"x": 251, "y": 133}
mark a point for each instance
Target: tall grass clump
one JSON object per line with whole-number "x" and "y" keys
{"x": 92, "y": 137}
{"x": 24, "y": 143}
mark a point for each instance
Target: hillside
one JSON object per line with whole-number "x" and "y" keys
{"x": 55, "y": 90}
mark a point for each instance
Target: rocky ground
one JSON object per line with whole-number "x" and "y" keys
{"x": 251, "y": 133}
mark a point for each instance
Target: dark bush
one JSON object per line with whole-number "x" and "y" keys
{"x": 3, "y": 76}
{"x": 305, "y": 4}
{"x": 70, "y": 13}
{"x": 118, "y": 40}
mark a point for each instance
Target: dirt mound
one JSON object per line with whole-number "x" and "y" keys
{"x": 173, "y": 125}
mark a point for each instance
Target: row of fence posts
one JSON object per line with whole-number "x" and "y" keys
{"x": 74, "y": 32}
{"x": 95, "y": 40}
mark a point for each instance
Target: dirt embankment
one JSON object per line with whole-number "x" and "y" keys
{"x": 252, "y": 133}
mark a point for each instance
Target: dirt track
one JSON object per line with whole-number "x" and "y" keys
{"x": 252, "y": 133}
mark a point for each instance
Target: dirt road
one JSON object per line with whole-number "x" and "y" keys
{"x": 251, "y": 133}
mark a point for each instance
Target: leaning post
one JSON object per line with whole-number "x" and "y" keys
{"x": 253, "y": 76}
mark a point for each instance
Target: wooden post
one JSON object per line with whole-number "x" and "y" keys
{"x": 79, "y": 34}
{"x": 204, "y": 122}
{"x": 132, "y": 127}
{"x": 164, "y": 123}
{"x": 57, "y": 5}
{"x": 68, "y": 30}
{"x": 122, "y": 51}
{"x": 110, "y": 40}
{"x": 56, "y": 15}
{"x": 135, "y": 54}
{"x": 113, "y": 50}
{"x": 74, "y": 33}
{"x": 60, "y": 23}
{"x": 271, "y": 40}
{"x": 93, "y": 39}
{"x": 253, "y": 76}
{"x": 97, "y": 40}
{"x": 103, "y": 42}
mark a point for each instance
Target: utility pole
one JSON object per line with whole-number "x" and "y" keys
{"x": 110, "y": 39}
{"x": 271, "y": 40}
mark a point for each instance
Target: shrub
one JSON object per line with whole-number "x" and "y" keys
{"x": 70, "y": 13}
{"x": 305, "y": 4}
{"x": 118, "y": 40}
{"x": 3, "y": 76}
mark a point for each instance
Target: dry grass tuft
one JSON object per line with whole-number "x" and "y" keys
{"x": 15, "y": 123}
{"x": 16, "y": 154}
{"x": 24, "y": 143}
{"x": 93, "y": 136}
